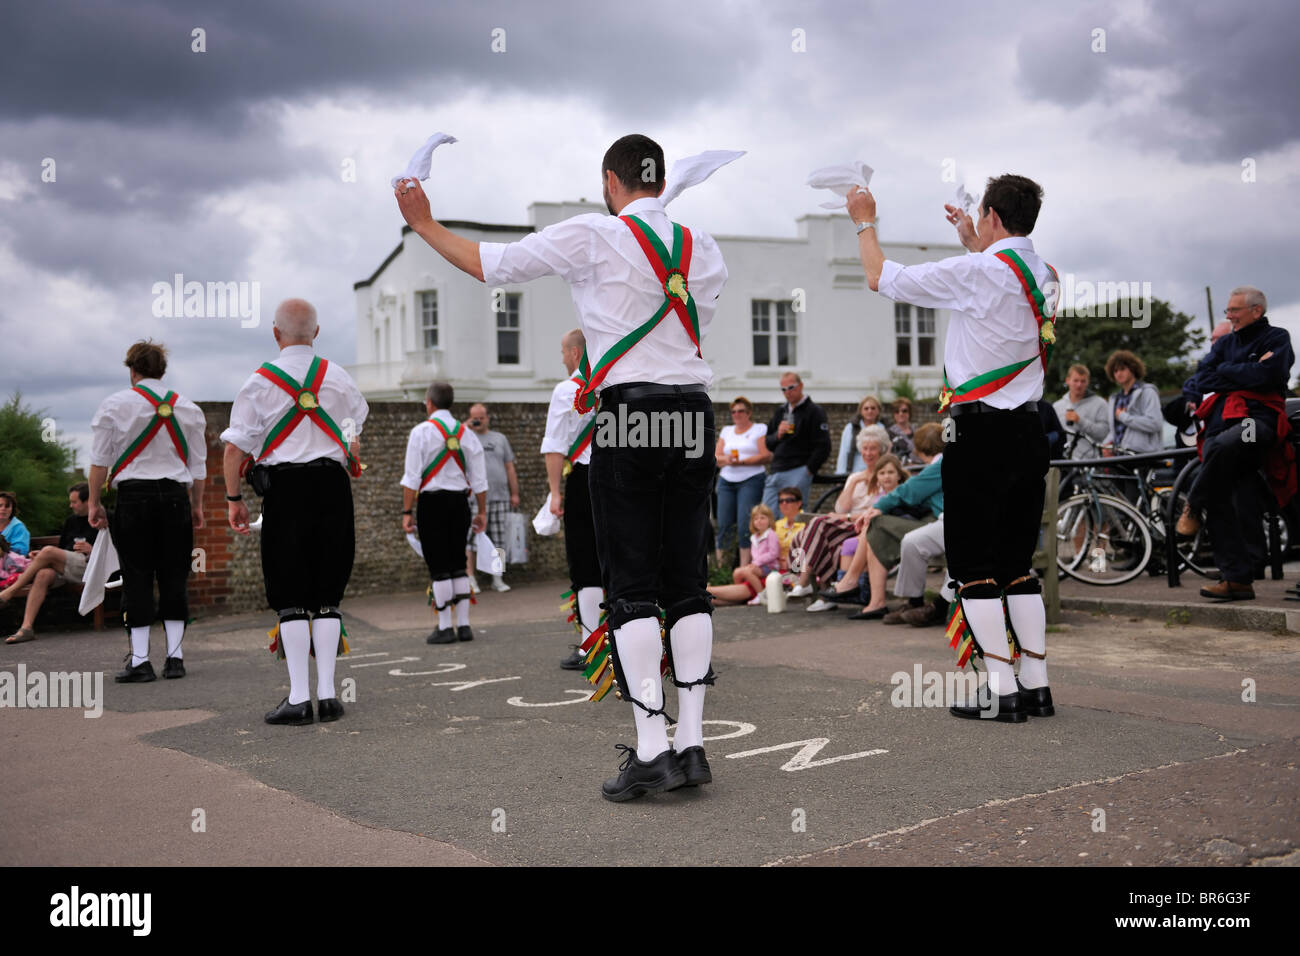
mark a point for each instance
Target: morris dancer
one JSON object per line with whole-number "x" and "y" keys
{"x": 643, "y": 310}
{"x": 997, "y": 348}
{"x": 567, "y": 447}
{"x": 296, "y": 422}
{"x": 149, "y": 443}
{"x": 444, "y": 463}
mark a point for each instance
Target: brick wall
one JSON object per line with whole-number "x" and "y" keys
{"x": 232, "y": 580}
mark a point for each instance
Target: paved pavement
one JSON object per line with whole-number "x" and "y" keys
{"x": 485, "y": 752}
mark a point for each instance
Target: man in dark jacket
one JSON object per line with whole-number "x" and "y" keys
{"x": 798, "y": 438}
{"x": 1245, "y": 427}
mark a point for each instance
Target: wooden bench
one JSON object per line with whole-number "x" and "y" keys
{"x": 70, "y": 588}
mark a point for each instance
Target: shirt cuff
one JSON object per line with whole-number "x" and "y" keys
{"x": 554, "y": 446}
{"x": 490, "y": 254}
{"x": 241, "y": 440}
{"x": 888, "y": 274}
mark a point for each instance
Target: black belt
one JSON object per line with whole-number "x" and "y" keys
{"x": 633, "y": 391}
{"x": 978, "y": 407}
{"x": 314, "y": 463}
{"x": 149, "y": 484}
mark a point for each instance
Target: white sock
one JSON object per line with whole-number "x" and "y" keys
{"x": 989, "y": 623}
{"x": 325, "y": 642}
{"x": 461, "y": 586}
{"x": 175, "y": 635}
{"x": 498, "y": 579}
{"x": 1029, "y": 619}
{"x": 139, "y": 645}
{"x": 442, "y": 593}
{"x": 692, "y": 638}
{"x": 295, "y": 638}
{"x": 639, "y": 652}
{"x": 589, "y": 609}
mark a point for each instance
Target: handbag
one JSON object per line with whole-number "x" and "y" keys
{"x": 516, "y": 543}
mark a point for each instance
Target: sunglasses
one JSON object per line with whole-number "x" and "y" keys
{"x": 788, "y": 501}
{"x": 789, "y": 388}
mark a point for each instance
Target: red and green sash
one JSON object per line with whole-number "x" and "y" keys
{"x": 672, "y": 271}
{"x": 306, "y": 404}
{"x": 164, "y": 416}
{"x": 990, "y": 382}
{"x": 450, "y": 451}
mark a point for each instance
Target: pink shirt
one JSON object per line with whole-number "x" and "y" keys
{"x": 765, "y": 549}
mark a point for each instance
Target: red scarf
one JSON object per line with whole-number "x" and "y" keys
{"x": 1279, "y": 465}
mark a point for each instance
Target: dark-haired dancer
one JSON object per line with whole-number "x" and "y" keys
{"x": 148, "y": 442}
{"x": 1002, "y": 301}
{"x": 645, "y": 290}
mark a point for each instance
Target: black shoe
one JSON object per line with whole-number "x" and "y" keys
{"x": 1036, "y": 702}
{"x": 329, "y": 709}
{"x": 574, "y": 662}
{"x": 1010, "y": 710}
{"x": 173, "y": 667}
{"x": 464, "y": 633}
{"x": 695, "y": 766}
{"x": 444, "y": 635}
{"x": 638, "y": 779}
{"x": 865, "y": 615}
{"x": 140, "y": 674}
{"x": 295, "y": 714}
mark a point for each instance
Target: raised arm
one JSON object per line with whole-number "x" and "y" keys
{"x": 460, "y": 252}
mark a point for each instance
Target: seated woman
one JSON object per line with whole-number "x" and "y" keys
{"x": 13, "y": 530}
{"x": 816, "y": 549}
{"x": 783, "y": 531}
{"x": 881, "y": 529}
{"x": 748, "y": 579}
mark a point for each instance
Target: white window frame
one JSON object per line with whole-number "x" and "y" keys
{"x": 421, "y": 328}
{"x": 774, "y": 335}
{"x": 904, "y": 315}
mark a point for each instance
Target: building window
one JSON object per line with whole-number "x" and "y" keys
{"x": 913, "y": 338}
{"x": 508, "y": 330}
{"x": 774, "y": 331}
{"x": 429, "y": 319}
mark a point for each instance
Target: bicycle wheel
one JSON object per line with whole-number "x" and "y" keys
{"x": 1072, "y": 531}
{"x": 826, "y": 503}
{"x": 1110, "y": 541}
{"x": 1195, "y": 552}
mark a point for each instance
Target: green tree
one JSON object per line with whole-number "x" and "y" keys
{"x": 35, "y": 466}
{"x": 1168, "y": 346}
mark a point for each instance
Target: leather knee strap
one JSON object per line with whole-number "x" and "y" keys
{"x": 693, "y": 605}
{"x": 293, "y": 614}
{"x": 328, "y": 612}
{"x": 985, "y": 590}
{"x": 1025, "y": 584}
{"x": 622, "y": 611}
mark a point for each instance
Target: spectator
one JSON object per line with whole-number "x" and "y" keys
{"x": 13, "y": 530}
{"x": 1084, "y": 415}
{"x": 1245, "y": 428}
{"x": 790, "y": 501}
{"x": 882, "y": 528}
{"x": 748, "y": 579}
{"x": 901, "y": 430}
{"x": 848, "y": 460}
{"x": 799, "y": 439}
{"x": 54, "y": 566}
{"x": 741, "y": 453}
{"x": 503, "y": 489}
{"x": 12, "y": 566}
{"x": 1135, "y": 421}
{"x": 917, "y": 549}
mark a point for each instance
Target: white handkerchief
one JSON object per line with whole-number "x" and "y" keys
{"x": 965, "y": 201}
{"x": 102, "y": 563}
{"x": 839, "y": 180}
{"x": 546, "y": 523}
{"x": 487, "y": 559}
{"x": 418, "y": 167}
{"x": 693, "y": 170}
{"x": 414, "y": 542}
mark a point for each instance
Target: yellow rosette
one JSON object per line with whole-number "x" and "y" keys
{"x": 307, "y": 401}
{"x": 453, "y": 444}
{"x": 164, "y": 410}
{"x": 1048, "y": 333}
{"x": 676, "y": 285}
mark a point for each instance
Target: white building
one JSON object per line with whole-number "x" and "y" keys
{"x": 790, "y": 304}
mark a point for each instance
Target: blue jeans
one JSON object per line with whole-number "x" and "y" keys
{"x": 736, "y": 499}
{"x": 800, "y": 478}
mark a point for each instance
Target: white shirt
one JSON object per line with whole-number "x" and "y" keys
{"x": 615, "y": 288}
{"x": 121, "y": 418}
{"x": 422, "y": 447}
{"x": 260, "y": 405}
{"x": 746, "y": 446}
{"x": 991, "y": 325}
{"x": 564, "y": 424}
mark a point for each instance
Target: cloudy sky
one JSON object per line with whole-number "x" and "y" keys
{"x": 1164, "y": 133}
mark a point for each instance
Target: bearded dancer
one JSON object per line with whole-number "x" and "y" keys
{"x": 567, "y": 447}
{"x": 444, "y": 463}
{"x": 294, "y": 427}
{"x": 643, "y": 310}
{"x": 1002, "y": 301}
{"x": 150, "y": 444}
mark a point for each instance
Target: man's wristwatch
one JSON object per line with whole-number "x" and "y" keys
{"x": 407, "y": 511}
{"x": 234, "y": 497}
{"x": 866, "y": 225}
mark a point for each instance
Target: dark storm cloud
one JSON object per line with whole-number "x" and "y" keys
{"x": 1227, "y": 73}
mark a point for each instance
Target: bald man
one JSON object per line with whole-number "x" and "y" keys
{"x": 567, "y": 447}
{"x": 294, "y": 430}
